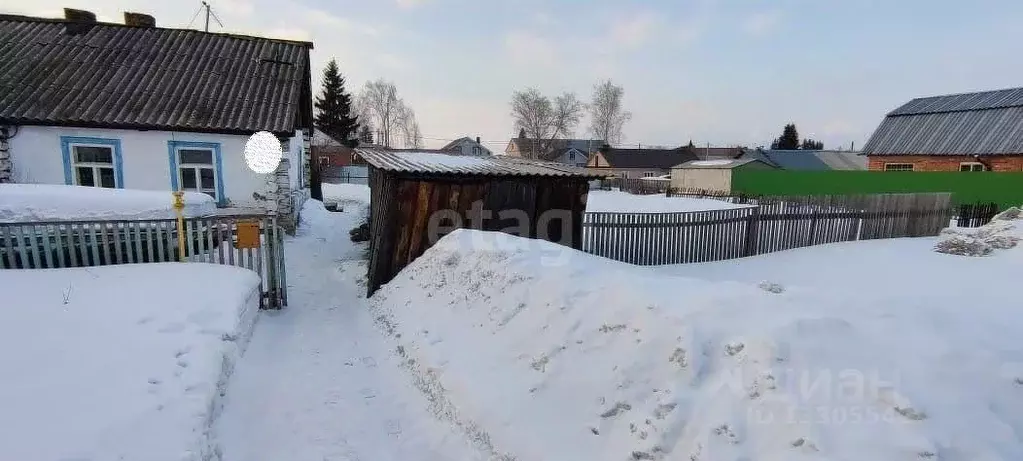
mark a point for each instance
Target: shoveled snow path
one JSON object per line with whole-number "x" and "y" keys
{"x": 319, "y": 381}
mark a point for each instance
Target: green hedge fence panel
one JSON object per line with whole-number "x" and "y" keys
{"x": 1005, "y": 189}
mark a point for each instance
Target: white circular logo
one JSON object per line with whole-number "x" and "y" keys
{"x": 263, "y": 152}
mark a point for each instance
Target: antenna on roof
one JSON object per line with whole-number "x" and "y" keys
{"x": 209, "y": 13}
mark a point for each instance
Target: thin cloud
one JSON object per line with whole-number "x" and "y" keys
{"x": 762, "y": 23}
{"x": 409, "y": 4}
{"x": 634, "y": 31}
{"x": 528, "y": 48}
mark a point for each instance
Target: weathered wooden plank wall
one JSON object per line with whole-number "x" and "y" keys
{"x": 402, "y": 208}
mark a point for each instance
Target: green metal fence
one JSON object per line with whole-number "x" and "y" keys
{"x": 1005, "y": 189}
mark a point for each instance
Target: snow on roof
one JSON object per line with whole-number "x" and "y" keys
{"x": 438, "y": 163}
{"x": 48, "y": 202}
{"x": 711, "y": 162}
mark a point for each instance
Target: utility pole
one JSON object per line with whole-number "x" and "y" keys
{"x": 209, "y": 14}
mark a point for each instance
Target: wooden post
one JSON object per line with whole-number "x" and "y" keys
{"x": 752, "y": 234}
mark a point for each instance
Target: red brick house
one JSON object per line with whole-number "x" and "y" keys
{"x": 960, "y": 132}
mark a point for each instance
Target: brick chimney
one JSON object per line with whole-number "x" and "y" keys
{"x": 139, "y": 19}
{"x": 82, "y": 16}
{"x": 477, "y": 139}
{"x": 78, "y": 21}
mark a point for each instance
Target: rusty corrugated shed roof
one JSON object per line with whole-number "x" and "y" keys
{"x": 117, "y": 76}
{"x": 444, "y": 164}
{"x": 984, "y": 123}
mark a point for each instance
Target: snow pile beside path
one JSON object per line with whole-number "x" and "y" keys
{"x": 1003, "y": 232}
{"x": 581, "y": 358}
{"x": 119, "y": 362}
{"x": 616, "y": 201}
{"x": 41, "y": 202}
{"x": 345, "y": 193}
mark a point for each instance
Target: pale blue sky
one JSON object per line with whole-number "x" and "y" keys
{"x": 719, "y": 71}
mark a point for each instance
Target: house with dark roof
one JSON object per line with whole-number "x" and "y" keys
{"x": 144, "y": 107}
{"x": 574, "y": 152}
{"x": 980, "y": 131}
{"x": 639, "y": 163}
{"x": 467, "y": 146}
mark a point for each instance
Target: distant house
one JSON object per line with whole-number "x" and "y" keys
{"x": 812, "y": 160}
{"x": 639, "y": 163}
{"x": 143, "y": 107}
{"x": 713, "y": 175}
{"x": 960, "y": 132}
{"x": 467, "y": 146}
{"x": 568, "y": 151}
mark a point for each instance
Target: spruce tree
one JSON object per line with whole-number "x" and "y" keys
{"x": 334, "y": 107}
{"x": 789, "y": 139}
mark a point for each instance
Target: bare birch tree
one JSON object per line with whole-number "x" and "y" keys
{"x": 607, "y": 112}
{"x": 379, "y": 102}
{"x": 544, "y": 120}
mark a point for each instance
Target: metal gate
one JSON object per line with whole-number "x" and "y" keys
{"x": 251, "y": 241}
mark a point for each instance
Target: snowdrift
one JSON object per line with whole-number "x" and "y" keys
{"x": 539, "y": 352}
{"x": 43, "y": 202}
{"x": 124, "y": 362}
{"x": 1003, "y": 232}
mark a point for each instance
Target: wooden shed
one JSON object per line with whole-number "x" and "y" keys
{"x": 410, "y": 188}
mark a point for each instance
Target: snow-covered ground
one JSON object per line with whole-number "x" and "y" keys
{"x": 40, "y": 202}
{"x": 119, "y": 362}
{"x": 319, "y": 381}
{"x": 338, "y": 193}
{"x": 881, "y": 350}
{"x": 603, "y": 200}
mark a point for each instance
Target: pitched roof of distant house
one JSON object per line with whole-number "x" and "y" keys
{"x": 92, "y": 74}
{"x": 456, "y": 142}
{"x": 648, "y": 158}
{"x": 711, "y": 153}
{"x": 584, "y": 145}
{"x": 983, "y": 123}
{"x": 721, "y": 163}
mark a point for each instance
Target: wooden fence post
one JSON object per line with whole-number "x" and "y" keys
{"x": 752, "y": 233}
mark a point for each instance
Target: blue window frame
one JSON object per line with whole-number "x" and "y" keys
{"x": 197, "y": 167}
{"x": 92, "y": 161}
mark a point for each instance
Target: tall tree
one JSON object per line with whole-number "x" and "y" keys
{"x": 366, "y": 134}
{"x": 543, "y": 119}
{"x": 607, "y": 112}
{"x": 409, "y": 128}
{"x": 380, "y": 102}
{"x": 334, "y": 107}
{"x": 789, "y": 139}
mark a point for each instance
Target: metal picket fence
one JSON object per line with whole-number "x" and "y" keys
{"x": 251, "y": 241}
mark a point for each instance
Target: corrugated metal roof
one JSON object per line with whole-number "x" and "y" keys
{"x": 843, "y": 160}
{"x": 978, "y": 132}
{"x": 445, "y": 164}
{"x": 112, "y": 75}
{"x": 1011, "y": 97}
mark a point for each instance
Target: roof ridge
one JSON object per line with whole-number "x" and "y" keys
{"x": 23, "y": 18}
